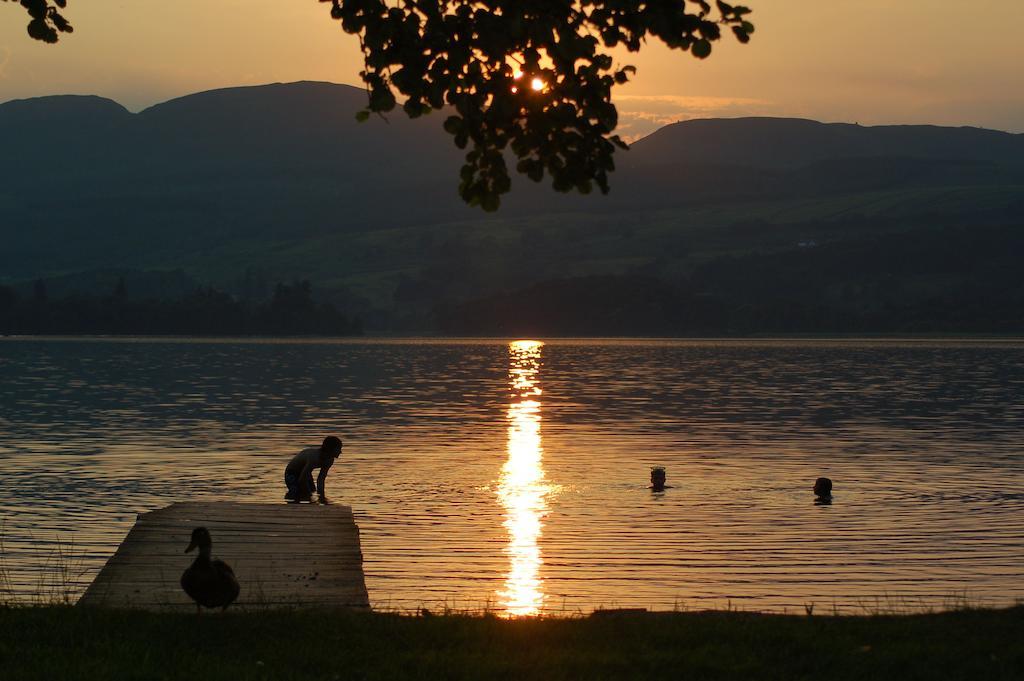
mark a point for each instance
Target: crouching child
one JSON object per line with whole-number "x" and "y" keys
{"x": 298, "y": 474}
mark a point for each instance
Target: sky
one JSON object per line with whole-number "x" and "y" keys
{"x": 866, "y": 61}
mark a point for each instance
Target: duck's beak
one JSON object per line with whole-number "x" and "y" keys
{"x": 191, "y": 546}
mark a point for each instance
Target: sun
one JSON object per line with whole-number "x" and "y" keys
{"x": 536, "y": 84}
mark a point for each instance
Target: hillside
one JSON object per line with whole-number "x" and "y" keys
{"x": 243, "y": 187}
{"x": 791, "y": 143}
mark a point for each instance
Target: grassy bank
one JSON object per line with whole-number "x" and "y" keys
{"x": 72, "y": 643}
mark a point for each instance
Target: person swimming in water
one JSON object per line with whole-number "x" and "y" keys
{"x": 823, "y": 491}
{"x": 298, "y": 474}
{"x": 658, "y": 479}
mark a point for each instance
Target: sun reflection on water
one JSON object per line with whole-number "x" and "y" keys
{"x": 522, "y": 489}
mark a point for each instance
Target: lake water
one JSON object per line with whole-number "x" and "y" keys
{"x": 513, "y": 476}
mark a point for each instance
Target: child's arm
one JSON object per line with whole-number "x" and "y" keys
{"x": 321, "y": 479}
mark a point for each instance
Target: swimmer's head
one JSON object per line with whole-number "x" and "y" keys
{"x": 658, "y": 478}
{"x": 822, "y": 487}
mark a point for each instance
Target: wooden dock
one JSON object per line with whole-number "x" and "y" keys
{"x": 284, "y": 555}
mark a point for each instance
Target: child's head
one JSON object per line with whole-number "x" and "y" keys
{"x": 822, "y": 487}
{"x": 331, "y": 446}
{"x": 657, "y": 477}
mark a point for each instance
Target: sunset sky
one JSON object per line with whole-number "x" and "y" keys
{"x": 869, "y": 61}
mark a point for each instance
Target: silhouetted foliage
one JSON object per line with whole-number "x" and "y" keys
{"x": 291, "y": 312}
{"x": 46, "y": 22}
{"x": 531, "y": 76}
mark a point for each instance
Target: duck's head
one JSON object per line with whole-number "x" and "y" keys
{"x": 200, "y": 539}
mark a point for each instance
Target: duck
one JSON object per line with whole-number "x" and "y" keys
{"x": 210, "y": 583}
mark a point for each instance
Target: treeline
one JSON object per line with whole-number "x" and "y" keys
{"x": 290, "y": 311}
{"x": 935, "y": 281}
{"x": 645, "y": 306}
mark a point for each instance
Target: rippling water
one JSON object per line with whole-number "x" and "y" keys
{"x": 514, "y": 476}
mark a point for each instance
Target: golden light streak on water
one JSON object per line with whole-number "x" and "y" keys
{"x": 522, "y": 489}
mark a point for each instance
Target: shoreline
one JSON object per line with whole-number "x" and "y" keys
{"x": 753, "y": 339}
{"x": 73, "y": 642}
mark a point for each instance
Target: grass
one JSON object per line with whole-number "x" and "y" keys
{"x": 56, "y": 577}
{"x": 80, "y": 643}
{"x": 45, "y": 638}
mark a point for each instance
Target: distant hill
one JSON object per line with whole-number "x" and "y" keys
{"x": 791, "y": 143}
{"x": 279, "y": 182}
{"x": 276, "y": 158}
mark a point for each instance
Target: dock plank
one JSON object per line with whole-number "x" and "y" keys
{"x": 284, "y": 555}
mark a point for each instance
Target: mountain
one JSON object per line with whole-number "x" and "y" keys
{"x": 278, "y": 182}
{"x": 791, "y": 143}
